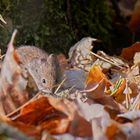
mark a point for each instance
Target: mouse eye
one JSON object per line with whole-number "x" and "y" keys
{"x": 43, "y": 81}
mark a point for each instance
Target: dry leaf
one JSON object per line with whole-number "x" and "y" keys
{"x": 79, "y": 54}
{"x": 113, "y": 132}
{"x": 118, "y": 90}
{"x": 12, "y": 82}
{"x": 41, "y": 112}
{"x": 128, "y": 53}
{"x": 74, "y": 78}
{"x": 96, "y": 75}
{"x": 113, "y": 59}
{"x": 96, "y": 115}
{"x": 51, "y": 114}
{"x": 131, "y": 130}
{"x": 134, "y": 23}
{"x": 127, "y": 131}
{"x": 131, "y": 115}
{"x": 136, "y": 59}
{"x": 98, "y": 95}
{"x": 63, "y": 61}
{"x": 84, "y": 45}
{"x": 35, "y": 111}
{"x": 65, "y": 106}
{"x": 77, "y": 122}
{"x": 9, "y": 127}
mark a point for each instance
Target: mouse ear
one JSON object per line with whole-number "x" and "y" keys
{"x": 51, "y": 59}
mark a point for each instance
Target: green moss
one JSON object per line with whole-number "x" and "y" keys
{"x": 55, "y": 25}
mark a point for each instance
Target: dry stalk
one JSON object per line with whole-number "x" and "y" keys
{"x": 127, "y": 100}
{"x": 1, "y": 57}
{"x": 60, "y": 85}
{"x": 136, "y": 103}
{"x": 2, "y": 19}
{"x": 106, "y": 60}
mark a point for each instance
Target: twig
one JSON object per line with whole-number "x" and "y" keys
{"x": 106, "y": 60}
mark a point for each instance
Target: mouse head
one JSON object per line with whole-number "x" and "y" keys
{"x": 43, "y": 71}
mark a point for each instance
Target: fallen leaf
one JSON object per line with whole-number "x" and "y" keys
{"x": 57, "y": 116}
{"x": 70, "y": 137}
{"x": 12, "y": 82}
{"x": 96, "y": 115}
{"x": 84, "y": 45}
{"x": 128, "y": 53}
{"x": 131, "y": 115}
{"x": 74, "y": 78}
{"x": 29, "y": 114}
{"x": 136, "y": 59}
{"x": 134, "y": 21}
{"x": 113, "y": 132}
{"x": 63, "y": 61}
{"x": 77, "y": 122}
{"x": 98, "y": 95}
{"x": 9, "y": 128}
{"x": 79, "y": 54}
{"x": 131, "y": 130}
{"x": 118, "y": 90}
{"x": 114, "y": 61}
{"x": 95, "y": 75}
{"x": 125, "y": 131}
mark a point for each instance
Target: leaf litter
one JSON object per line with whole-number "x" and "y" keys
{"x": 98, "y": 98}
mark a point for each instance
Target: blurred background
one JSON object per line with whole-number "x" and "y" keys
{"x": 55, "y": 25}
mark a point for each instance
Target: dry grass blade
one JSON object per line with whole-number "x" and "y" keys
{"x": 60, "y": 86}
{"x": 106, "y": 60}
{"x": 1, "y": 57}
{"x": 127, "y": 100}
{"x": 2, "y": 19}
{"x": 136, "y": 103}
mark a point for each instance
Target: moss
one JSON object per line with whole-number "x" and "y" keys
{"x": 55, "y": 25}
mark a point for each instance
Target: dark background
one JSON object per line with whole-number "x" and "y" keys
{"x": 55, "y": 25}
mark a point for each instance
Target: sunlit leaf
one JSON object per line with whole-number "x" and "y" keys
{"x": 12, "y": 82}
{"x": 96, "y": 75}
{"x": 128, "y": 53}
{"x": 119, "y": 87}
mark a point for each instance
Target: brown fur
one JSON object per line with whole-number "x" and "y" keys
{"x": 39, "y": 65}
